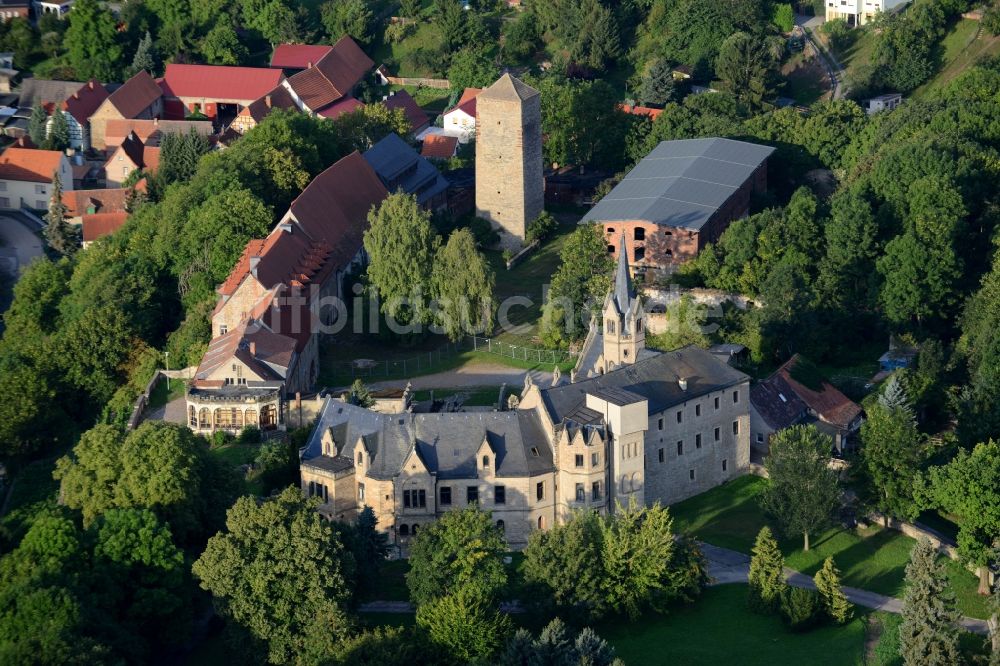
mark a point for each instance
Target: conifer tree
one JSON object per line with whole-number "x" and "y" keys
{"x": 145, "y": 56}
{"x": 658, "y": 87}
{"x": 767, "y": 576}
{"x": 835, "y": 603}
{"x": 894, "y": 396}
{"x": 58, "y": 134}
{"x": 928, "y": 635}
{"x": 38, "y": 124}
{"x": 58, "y": 232}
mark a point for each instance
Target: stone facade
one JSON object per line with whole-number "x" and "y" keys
{"x": 510, "y": 185}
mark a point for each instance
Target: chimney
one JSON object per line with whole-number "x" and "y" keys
{"x": 253, "y": 265}
{"x": 76, "y": 95}
{"x": 286, "y": 227}
{"x": 683, "y": 383}
{"x": 253, "y": 348}
{"x": 91, "y": 84}
{"x": 267, "y": 101}
{"x": 156, "y": 122}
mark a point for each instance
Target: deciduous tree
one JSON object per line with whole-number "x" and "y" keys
{"x": 578, "y": 286}
{"x": 92, "y": 42}
{"x": 462, "y": 285}
{"x": 465, "y": 625}
{"x": 222, "y": 46}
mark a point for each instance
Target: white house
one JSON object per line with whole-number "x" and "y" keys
{"x": 886, "y": 102}
{"x": 860, "y": 12}
{"x": 26, "y": 177}
{"x": 460, "y": 120}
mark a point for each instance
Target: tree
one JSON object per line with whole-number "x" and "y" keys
{"x": 179, "y": 157}
{"x": 145, "y": 56}
{"x": 38, "y": 125}
{"x": 979, "y": 415}
{"x": 747, "y": 65}
{"x": 462, "y": 550}
{"x": 472, "y": 67}
{"x": 969, "y": 488}
{"x": 466, "y": 626}
{"x": 462, "y": 285}
{"x": 892, "y": 453}
{"x": 928, "y": 635}
{"x": 803, "y": 492}
{"x": 57, "y": 231}
{"x": 847, "y": 270}
{"x": 409, "y": 8}
{"x": 835, "y": 603}
{"x": 783, "y": 16}
{"x": 658, "y": 87}
{"x": 767, "y": 576}
{"x": 520, "y": 36}
{"x": 92, "y": 42}
{"x": 555, "y": 645}
{"x": 58, "y": 134}
{"x": 347, "y": 17}
{"x": 452, "y": 22}
{"x": 579, "y": 285}
{"x": 276, "y": 21}
{"x": 280, "y": 571}
{"x": 401, "y": 246}
{"x": 222, "y": 46}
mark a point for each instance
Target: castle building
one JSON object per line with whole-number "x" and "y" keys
{"x": 510, "y": 184}
{"x": 653, "y": 427}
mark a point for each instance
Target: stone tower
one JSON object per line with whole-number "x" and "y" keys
{"x": 624, "y": 319}
{"x": 510, "y": 186}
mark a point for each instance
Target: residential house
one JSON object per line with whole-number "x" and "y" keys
{"x": 273, "y": 306}
{"x": 331, "y": 79}
{"x": 680, "y": 197}
{"x": 12, "y": 9}
{"x": 132, "y": 154}
{"x": 151, "y": 132}
{"x": 251, "y": 115}
{"x": 860, "y": 12}
{"x": 139, "y": 98}
{"x": 439, "y": 147}
{"x": 399, "y": 167}
{"x": 99, "y": 225}
{"x": 657, "y": 429}
{"x": 58, "y": 7}
{"x": 414, "y": 114}
{"x": 886, "y": 102}
{"x": 460, "y": 120}
{"x": 292, "y": 58}
{"x": 26, "y": 176}
{"x": 216, "y": 92}
{"x": 796, "y": 394}
{"x": 77, "y": 109}
{"x": 89, "y": 202}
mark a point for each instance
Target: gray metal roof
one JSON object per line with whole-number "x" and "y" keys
{"x": 681, "y": 183}
{"x": 399, "y": 166}
{"x": 655, "y": 379}
{"x": 446, "y": 442}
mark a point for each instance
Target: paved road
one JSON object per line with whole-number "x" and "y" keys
{"x": 833, "y": 68}
{"x": 19, "y": 245}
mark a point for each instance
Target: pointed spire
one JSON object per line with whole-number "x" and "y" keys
{"x": 624, "y": 292}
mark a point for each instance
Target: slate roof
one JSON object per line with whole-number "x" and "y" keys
{"x": 781, "y": 400}
{"x": 623, "y": 291}
{"x": 136, "y": 95}
{"x": 681, "y": 183}
{"x": 509, "y": 88}
{"x": 217, "y": 82}
{"x": 29, "y": 164}
{"x": 45, "y": 91}
{"x": 655, "y": 379}
{"x": 399, "y": 167}
{"x": 298, "y": 56}
{"x": 446, "y": 442}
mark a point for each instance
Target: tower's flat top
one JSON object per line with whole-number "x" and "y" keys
{"x": 509, "y": 88}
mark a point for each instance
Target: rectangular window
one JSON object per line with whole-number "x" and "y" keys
{"x": 760, "y": 438}
{"x": 406, "y": 499}
{"x": 472, "y": 494}
{"x": 361, "y": 492}
{"x": 223, "y": 329}
{"x": 594, "y": 459}
{"x": 595, "y": 490}
{"x": 716, "y": 434}
{"x": 697, "y": 410}
{"x": 579, "y": 460}
{"x": 736, "y": 397}
{"x": 736, "y": 427}
{"x": 716, "y": 402}
{"x": 661, "y": 455}
{"x": 4, "y": 202}
{"x": 680, "y": 448}
{"x": 500, "y": 495}
{"x": 540, "y": 490}
{"x": 691, "y": 474}
{"x": 724, "y": 461}
{"x": 39, "y": 189}
{"x": 680, "y": 416}
{"x": 40, "y": 205}
{"x": 421, "y": 498}
{"x": 3, "y": 185}
{"x": 660, "y": 424}
{"x": 697, "y": 441}
{"x": 581, "y": 493}
{"x": 446, "y": 495}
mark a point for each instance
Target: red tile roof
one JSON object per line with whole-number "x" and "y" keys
{"x": 136, "y": 95}
{"x": 641, "y": 110}
{"x": 332, "y": 77}
{"x": 82, "y": 104}
{"x": 781, "y": 398}
{"x": 403, "y": 100}
{"x": 279, "y": 98}
{"x": 340, "y": 107}
{"x": 150, "y": 131}
{"x": 467, "y": 102}
{"x": 141, "y": 155}
{"x": 103, "y": 201}
{"x": 96, "y": 225}
{"x": 29, "y": 164}
{"x": 211, "y": 82}
{"x": 298, "y": 56}
{"x": 439, "y": 146}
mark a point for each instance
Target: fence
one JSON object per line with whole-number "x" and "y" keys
{"x": 441, "y": 84}
{"x": 521, "y": 353}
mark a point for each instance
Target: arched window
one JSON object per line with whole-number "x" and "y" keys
{"x": 501, "y": 527}
{"x": 640, "y": 253}
{"x": 541, "y": 522}
{"x": 268, "y": 417}
{"x": 626, "y": 353}
{"x": 638, "y": 326}
{"x": 414, "y": 532}
{"x": 361, "y": 458}
{"x": 624, "y": 484}
{"x": 486, "y": 461}
{"x": 611, "y": 230}
{"x": 204, "y": 418}
{"x": 237, "y": 417}
{"x": 193, "y": 416}
{"x": 404, "y": 530}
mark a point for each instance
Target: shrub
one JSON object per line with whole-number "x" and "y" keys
{"x": 249, "y": 435}
{"x": 838, "y": 32}
{"x": 397, "y": 32}
{"x": 541, "y": 228}
{"x": 219, "y": 438}
{"x": 799, "y": 608}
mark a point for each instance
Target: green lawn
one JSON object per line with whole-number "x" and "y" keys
{"x": 962, "y": 47}
{"x": 872, "y": 559}
{"x": 161, "y": 396}
{"x": 718, "y": 628}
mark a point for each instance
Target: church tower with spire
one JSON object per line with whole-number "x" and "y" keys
{"x": 624, "y": 320}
